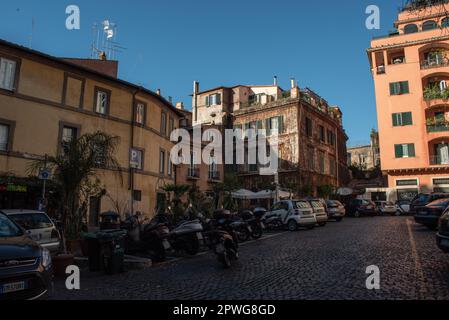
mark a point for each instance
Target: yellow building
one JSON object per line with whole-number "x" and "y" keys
{"x": 45, "y": 100}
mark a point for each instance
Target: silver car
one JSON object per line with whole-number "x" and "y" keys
{"x": 320, "y": 212}
{"x": 336, "y": 210}
{"x": 38, "y": 226}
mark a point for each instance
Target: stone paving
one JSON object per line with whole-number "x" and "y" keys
{"x": 325, "y": 263}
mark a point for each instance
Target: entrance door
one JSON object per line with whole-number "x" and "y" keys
{"x": 94, "y": 211}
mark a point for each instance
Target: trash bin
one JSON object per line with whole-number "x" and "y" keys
{"x": 106, "y": 251}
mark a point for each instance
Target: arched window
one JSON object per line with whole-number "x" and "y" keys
{"x": 429, "y": 25}
{"x": 445, "y": 23}
{"x": 411, "y": 28}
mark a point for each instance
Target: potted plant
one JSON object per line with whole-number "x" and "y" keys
{"x": 75, "y": 169}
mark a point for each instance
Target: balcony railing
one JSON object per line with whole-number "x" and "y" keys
{"x": 439, "y": 160}
{"x": 434, "y": 63}
{"x": 437, "y": 126}
{"x": 193, "y": 173}
{"x": 214, "y": 175}
{"x": 435, "y": 92}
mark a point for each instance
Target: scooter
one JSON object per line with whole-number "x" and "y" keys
{"x": 223, "y": 239}
{"x": 187, "y": 236}
{"x": 254, "y": 221}
{"x": 272, "y": 221}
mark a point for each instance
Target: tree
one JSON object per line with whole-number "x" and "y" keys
{"x": 75, "y": 169}
{"x": 178, "y": 190}
{"x": 223, "y": 191}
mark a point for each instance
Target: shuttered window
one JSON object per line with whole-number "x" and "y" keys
{"x": 7, "y": 74}
{"x": 398, "y": 88}
{"x": 402, "y": 119}
{"x": 405, "y": 150}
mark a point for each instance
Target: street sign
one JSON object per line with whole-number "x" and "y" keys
{"x": 135, "y": 160}
{"x": 44, "y": 174}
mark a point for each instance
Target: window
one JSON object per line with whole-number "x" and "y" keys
{"x": 213, "y": 100}
{"x": 321, "y": 161}
{"x": 402, "y": 119}
{"x": 140, "y": 113}
{"x": 162, "y": 162}
{"x": 332, "y": 165}
{"x": 7, "y": 74}
{"x": 171, "y": 125}
{"x": 404, "y": 183}
{"x": 69, "y": 134}
{"x": 445, "y": 23}
{"x": 309, "y": 127}
{"x": 311, "y": 158}
{"x": 322, "y": 134}
{"x": 429, "y": 25}
{"x": 330, "y": 137}
{"x": 276, "y": 123}
{"x": 404, "y": 150}
{"x": 170, "y": 167}
{"x": 4, "y": 137}
{"x": 164, "y": 123}
{"x": 213, "y": 172}
{"x": 398, "y": 88}
{"x": 410, "y": 28}
{"x": 102, "y": 101}
{"x": 137, "y": 195}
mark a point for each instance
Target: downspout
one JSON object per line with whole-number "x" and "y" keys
{"x": 337, "y": 155}
{"x": 131, "y": 170}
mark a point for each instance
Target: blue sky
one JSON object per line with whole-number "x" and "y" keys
{"x": 169, "y": 44}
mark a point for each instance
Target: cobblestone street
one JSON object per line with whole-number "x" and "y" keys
{"x": 325, "y": 263}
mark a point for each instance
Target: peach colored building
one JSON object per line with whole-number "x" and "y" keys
{"x": 411, "y": 76}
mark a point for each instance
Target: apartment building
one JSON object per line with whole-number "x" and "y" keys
{"x": 45, "y": 100}
{"x": 312, "y": 141}
{"x": 411, "y": 74}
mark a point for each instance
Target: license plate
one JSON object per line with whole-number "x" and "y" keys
{"x": 12, "y": 287}
{"x": 199, "y": 235}
{"x": 166, "y": 244}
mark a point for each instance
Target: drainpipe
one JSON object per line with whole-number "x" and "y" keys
{"x": 131, "y": 170}
{"x": 337, "y": 156}
{"x": 196, "y": 87}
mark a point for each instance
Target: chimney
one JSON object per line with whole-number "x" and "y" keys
{"x": 293, "y": 83}
{"x": 102, "y": 56}
{"x": 180, "y": 105}
{"x": 196, "y": 90}
{"x": 158, "y": 92}
{"x": 275, "y": 81}
{"x": 294, "y": 91}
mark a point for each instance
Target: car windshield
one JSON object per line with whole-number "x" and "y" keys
{"x": 317, "y": 204}
{"x": 8, "y": 229}
{"x": 301, "y": 205}
{"x": 32, "y": 221}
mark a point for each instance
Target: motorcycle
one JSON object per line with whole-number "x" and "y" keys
{"x": 242, "y": 229}
{"x": 222, "y": 238}
{"x": 254, "y": 221}
{"x": 272, "y": 221}
{"x": 186, "y": 236}
{"x": 146, "y": 238}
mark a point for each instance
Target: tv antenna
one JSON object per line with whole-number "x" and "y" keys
{"x": 104, "y": 39}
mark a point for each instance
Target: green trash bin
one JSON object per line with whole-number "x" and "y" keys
{"x": 106, "y": 251}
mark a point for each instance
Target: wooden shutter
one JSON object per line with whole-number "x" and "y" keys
{"x": 407, "y": 119}
{"x": 281, "y": 124}
{"x": 218, "y": 98}
{"x": 268, "y": 126}
{"x": 207, "y": 101}
{"x": 392, "y": 89}
{"x": 411, "y": 150}
{"x": 404, "y": 87}
{"x": 395, "y": 120}
{"x": 398, "y": 151}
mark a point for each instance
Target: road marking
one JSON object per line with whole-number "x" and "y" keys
{"x": 418, "y": 267}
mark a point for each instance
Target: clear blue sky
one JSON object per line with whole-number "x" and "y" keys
{"x": 172, "y": 43}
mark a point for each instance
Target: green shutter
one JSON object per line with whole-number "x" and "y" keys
{"x": 218, "y": 99}
{"x": 268, "y": 127}
{"x": 395, "y": 120}
{"x": 207, "y": 101}
{"x": 404, "y": 87}
{"x": 411, "y": 150}
{"x": 259, "y": 125}
{"x": 398, "y": 151}
{"x": 281, "y": 124}
{"x": 392, "y": 89}
{"x": 407, "y": 119}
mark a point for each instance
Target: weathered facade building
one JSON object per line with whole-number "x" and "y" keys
{"x": 312, "y": 141}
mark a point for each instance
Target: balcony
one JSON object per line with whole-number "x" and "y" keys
{"x": 214, "y": 176}
{"x": 436, "y": 93}
{"x": 193, "y": 173}
{"x": 436, "y": 62}
{"x": 439, "y": 160}
{"x": 437, "y": 126}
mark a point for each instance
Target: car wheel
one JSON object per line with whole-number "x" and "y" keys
{"x": 292, "y": 226}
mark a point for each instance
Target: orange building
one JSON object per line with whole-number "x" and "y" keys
{"x": 411, "y": 76}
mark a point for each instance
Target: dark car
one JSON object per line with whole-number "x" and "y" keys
{"x": 423, "y": 199}
{"x": 25, "y": 267}
{"x": 431, "y": 213}
{"x": 361, "y": 207}
{"x": 443, "y": 233}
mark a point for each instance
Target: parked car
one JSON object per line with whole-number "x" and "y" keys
{"x": 431, "y": 213}
{"x": 335, "y": 210}
{"x": 25, "y": 267}
{"x": 423, "y": 199}
{"x": 292, "y": 214}
{"x": 386, "y": 207}
{"x": 443, "y": 232}
{"x": 361, "y": 207}
{"x": 320, "y": 211}
{"x": 38, "y": 226}
{"x": 403, "y": 207}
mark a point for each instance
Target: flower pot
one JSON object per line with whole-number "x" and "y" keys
{"x": 61, "y": 262}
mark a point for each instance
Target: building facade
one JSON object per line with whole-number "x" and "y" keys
{"x": 46, "y": 100}
{"x": 366, "y": 157}
{"x": 411, "y": 74}
{"x": 312, "y": 142}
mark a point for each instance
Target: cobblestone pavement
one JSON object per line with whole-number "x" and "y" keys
{"x": 325, "y": 263}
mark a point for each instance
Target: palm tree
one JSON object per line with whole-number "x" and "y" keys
{"x": 75, "y": 169}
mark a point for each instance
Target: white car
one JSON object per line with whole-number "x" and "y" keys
{"x": 403, "y": 207}
{"x": 386, "y": 207}
{"x": 292, "y": 214}
{"x": 38, "y": 226}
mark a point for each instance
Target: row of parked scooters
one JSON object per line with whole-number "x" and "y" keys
{"x": 220, "y": 234}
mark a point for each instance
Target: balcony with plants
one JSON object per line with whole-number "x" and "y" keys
{"x": 437, "y": 125}
{"x": 434, "y": 58}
